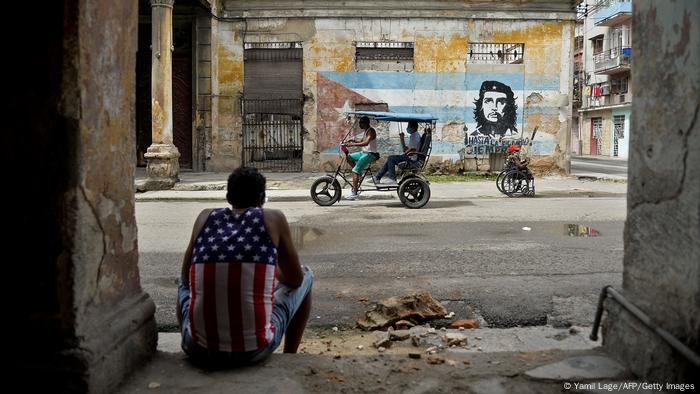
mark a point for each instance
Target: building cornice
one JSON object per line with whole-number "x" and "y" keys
{"x": 474, "y": 9}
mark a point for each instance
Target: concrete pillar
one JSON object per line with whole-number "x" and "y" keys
{"x": 662, "y": 233}
{"x": 80, "y": 320}
{"x": 162, "y": 155}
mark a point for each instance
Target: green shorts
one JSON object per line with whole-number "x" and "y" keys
{"x": 362, "y": 160}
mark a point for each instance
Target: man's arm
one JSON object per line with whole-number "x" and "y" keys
{"x": 404, "y": 148}
{"x": 187, "y": 260}
{"x": 288, "y": 269}
{"x": 370, "y": 136}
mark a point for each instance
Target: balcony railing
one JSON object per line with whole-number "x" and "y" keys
{"x": 591, "y": 102}
{"x": 602, "y": 101}
{"x": 613, "y": 60}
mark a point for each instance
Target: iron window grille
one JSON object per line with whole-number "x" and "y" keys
{"x": 501, "y": 53}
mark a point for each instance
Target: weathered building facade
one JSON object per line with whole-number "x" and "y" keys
{"x": 271, "y": 80}
{"x": 606, "y": 94}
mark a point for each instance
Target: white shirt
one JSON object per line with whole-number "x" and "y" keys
{"x": 372, "y": 146}
{"x": 414, "y": 143}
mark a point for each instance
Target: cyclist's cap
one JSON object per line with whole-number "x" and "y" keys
{"x": 513, "y": 148}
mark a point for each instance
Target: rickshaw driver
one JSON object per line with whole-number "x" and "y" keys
{"x": 364, "y": 157}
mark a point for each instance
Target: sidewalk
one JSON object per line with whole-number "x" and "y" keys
{"x": 286, "y": 187}
{"x": 599, "y": 167}
{"x": 517, "y": 369}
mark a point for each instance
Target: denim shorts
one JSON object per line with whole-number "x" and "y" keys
{"x": 287, "y": 303}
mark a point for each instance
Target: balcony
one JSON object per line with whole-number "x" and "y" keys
{"x": 613, "y": 100}
{"x": 613, "y": 61}
{"x": 592, "y": 102}
{"x": 612, "y": 12}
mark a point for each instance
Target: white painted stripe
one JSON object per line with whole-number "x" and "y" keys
{"x": 222, "y": 307}
{"x": 198, "y": 317}
{"x": 247, "y": 307}
{"x": 269, "y": 289}
{"x": 443, "y": 98}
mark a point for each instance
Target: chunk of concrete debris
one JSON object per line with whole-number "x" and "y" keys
{"x": 399, "y": 335}
{"x": 403, "y": 325}
{"x": 435, "y": 360}
{"x": 454, "y": 339}
{"x": 416, "y": 340}
{"x": 469, "y": 323}
{"x": 449, "y": 315}
{"x": 383, "y": 340}
{"x": 381, "y": 349}
{"x": 360, "y": 347}
{"x": 416, "y": 307}
{"x": 153, "y": 385}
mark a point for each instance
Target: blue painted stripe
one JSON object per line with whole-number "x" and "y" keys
{"x": 542, "y": 110}
{"x": 462, "y": 114}
{"x": 439, "y": 81}
{"x": 444, "y": 114}
{"x": 542, "y": 82}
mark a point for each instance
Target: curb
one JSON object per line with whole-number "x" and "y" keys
{"x": 270, "y": 198}
{"x": 599, "y": 178}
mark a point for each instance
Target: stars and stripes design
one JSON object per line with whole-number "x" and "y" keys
{"x": 232, "y": 281}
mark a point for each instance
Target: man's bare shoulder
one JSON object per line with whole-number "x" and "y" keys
{"x": 274, "y": 215}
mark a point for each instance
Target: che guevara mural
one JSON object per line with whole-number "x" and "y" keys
{"x": 479, "y": 112}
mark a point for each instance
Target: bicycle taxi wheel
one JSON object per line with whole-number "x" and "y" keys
{"x": 326, "y": 191}
{"x": 414, "y": 193}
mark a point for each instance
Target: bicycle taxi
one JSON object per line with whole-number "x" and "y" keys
{"x": 412, "y": 187}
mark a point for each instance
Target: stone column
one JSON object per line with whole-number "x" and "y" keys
{"x": 162, "y": 155}
{"x": 81, "y": 321}
{"x": 661, "y": 274}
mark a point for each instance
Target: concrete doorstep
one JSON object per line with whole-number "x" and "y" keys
{"x": 518, "y": 360}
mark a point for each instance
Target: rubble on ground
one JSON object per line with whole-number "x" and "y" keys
{"x": 416, "y": 307}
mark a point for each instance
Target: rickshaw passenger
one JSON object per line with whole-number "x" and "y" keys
{"x": 408, "y": 153}
{"x": 364, "y": 157}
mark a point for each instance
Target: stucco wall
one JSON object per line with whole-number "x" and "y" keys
{"x": 662, "y": 232}
{"x": 442, "y": 82}
{"x": 605, "y": 142}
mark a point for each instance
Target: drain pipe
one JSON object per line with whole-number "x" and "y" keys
{"x": 679, "y": 346}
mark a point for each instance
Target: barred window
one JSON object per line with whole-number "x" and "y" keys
{"x": 384, "y": 56}
{"x": 502, "y": 53}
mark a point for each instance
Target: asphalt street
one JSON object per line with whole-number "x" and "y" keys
{"x": 599, "y": 167}
{"x": 475, "y": 255}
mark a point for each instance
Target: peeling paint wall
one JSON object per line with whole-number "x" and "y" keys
{"x": 442, "y": 82}
{"x": 227, "y": 89}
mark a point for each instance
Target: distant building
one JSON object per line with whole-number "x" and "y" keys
{"x": 265, "y": 83}
{"x": 606, "y": 100}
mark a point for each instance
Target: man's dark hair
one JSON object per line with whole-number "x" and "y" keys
{"x": 364, "y": 119}
{"x": 413, "y": 125}
{"x": 246, "y": 188}
{"x": 509, "y": 119}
